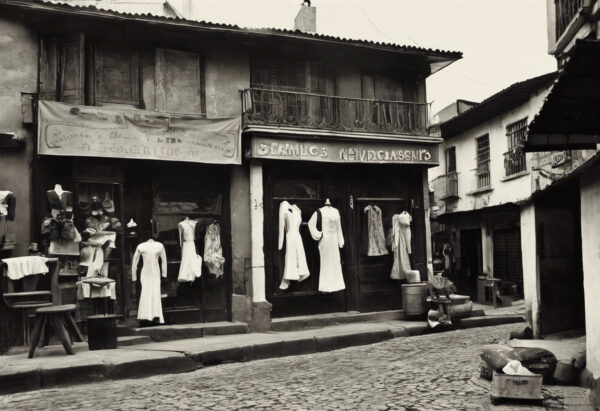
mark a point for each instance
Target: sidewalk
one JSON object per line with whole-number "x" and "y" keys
{"x": 52, "y": 367}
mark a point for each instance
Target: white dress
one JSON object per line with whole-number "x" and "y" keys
{"x": 150, "y": 306}
{"x": 191, "y": 263}
{"x": 401, "y": 245}
{"x": 296, "y": 268}
{"x": 330, "y": 240}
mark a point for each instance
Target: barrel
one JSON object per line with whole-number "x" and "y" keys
{"x": 414, "y": 299}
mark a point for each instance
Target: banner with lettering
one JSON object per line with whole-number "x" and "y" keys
{"x": 90, "y": 131}
{"x": 337, "y": 151}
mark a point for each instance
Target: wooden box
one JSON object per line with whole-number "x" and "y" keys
{"x": 523, "y": 387}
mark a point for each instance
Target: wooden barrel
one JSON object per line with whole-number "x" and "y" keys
{"x": 414, "y": 299}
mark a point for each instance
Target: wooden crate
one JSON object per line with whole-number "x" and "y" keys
{"x": 522, "y": 387}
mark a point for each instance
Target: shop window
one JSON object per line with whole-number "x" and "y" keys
{"x": 117, "y": 78}
{"x": 297, "y": 188}
{"x": 179, "y": 82}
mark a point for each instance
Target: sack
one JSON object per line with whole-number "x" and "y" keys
{"x": 498, "y": 355}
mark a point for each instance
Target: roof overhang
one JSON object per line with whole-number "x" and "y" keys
{"x": 570, "y": 116}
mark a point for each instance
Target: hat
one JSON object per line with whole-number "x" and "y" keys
{"x": 115, "y": 224}
{"x": 104, "y": 223}
{"x": 91, "y": 222}
{"x": 107, "y": 204}
{"x": 68, "y": 230}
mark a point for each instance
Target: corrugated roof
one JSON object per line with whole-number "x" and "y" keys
{"x": 90, "y": 9}
{"x": 510, "y": 97}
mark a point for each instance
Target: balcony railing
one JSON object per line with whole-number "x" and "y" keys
{"x": 446, "y": 186}
{"x": 482, "y": 175}
{"x": 566, "y": 10}
{"x": 514, "y": 161}
{"x": 313, "y": 111}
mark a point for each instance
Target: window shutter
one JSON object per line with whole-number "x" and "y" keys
{"x": 117, "y": 74}
{"x": 48, "y": 67}
{"x": 72, "y": 69}
{"x": 179, "y": 82}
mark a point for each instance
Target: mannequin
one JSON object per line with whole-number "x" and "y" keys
{"x": 190, "y": 267}
{"x": 60, "y": 200}
{"x": 150, "y": 306}
{"x": 296, "y": 268}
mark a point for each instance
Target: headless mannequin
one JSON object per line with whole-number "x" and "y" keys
{"x": 58, "y": 197}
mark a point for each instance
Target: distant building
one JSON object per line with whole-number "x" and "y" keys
{"x": 453, "y": 110}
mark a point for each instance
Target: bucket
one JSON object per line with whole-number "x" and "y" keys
{"x": 414, "y": 299}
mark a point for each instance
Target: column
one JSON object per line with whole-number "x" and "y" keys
{"x": 256, "y": 230}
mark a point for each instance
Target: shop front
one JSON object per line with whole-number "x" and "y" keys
{"x": 370, "y": 184}
{"x": 134, "y": 177}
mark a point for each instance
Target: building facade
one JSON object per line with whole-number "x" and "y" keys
{"x": 169, "y": 119}
{"x": 568, "y": 120}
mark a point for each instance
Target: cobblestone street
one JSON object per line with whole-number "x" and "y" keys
{"x": 428, "y": 372}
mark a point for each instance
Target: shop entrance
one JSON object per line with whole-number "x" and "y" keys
{"x": 350, "y": 188}
{"x": 471, "y": 261}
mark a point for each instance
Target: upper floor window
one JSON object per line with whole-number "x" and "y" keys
{"x": 117, "y": 76}
{"x": 292, "y": 75}
{"x": 179, "y": 85}
{"x": 482, "y": 171}
{"x": 514, "y": 158}
{"x": 450, "y": 160}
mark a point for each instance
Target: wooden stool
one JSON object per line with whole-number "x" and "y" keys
{"x": 59, "y": 317}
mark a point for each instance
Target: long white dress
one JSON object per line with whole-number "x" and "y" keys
{"x": 296, "y": 268}
{"x": 401, "y": 245}
{"x": 150, "y": 306}
{"x": 330, "y": 240}
{"x": 191, "y": 263}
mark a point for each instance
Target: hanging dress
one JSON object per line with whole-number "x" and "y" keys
{"x": 375, "y": 232}
{"x": 190, "y": 267}
{"x": 330, "y": 240}
{"x": 213, "y": 251}
{"x": 150, "y": 306}
{"x": 401, "y": 236}
{"x": 296, "y": 268}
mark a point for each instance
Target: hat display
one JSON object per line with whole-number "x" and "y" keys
{"x": 108, "y": 204}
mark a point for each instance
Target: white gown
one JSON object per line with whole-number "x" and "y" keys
{"x": 191, "y": 263}
{"x": 150, "y": 306}
{"x": 330, "y": 240}
{"x": 296, "y": 268}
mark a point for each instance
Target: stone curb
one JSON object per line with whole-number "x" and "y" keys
{"x": 322, "y": 341}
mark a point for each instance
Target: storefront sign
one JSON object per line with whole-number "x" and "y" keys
{"x": 89, "y": 131}
{"x": 345, "y": 152}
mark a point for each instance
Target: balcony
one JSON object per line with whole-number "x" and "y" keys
{"x": 445, "y": 187}
{"x": 514, "y": 161}
{"x": 276, "y": 108}
{"x": 566, "y": 10}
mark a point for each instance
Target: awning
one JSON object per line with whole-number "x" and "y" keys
{"x": 570, "y": 116}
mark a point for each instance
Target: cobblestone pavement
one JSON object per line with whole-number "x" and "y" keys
{"x": 429, "y": 372}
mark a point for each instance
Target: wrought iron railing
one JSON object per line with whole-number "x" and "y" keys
{"x": 514, "y": 161}
{"x": 482, "y": 175}
{"x": 566, "y": 10}
{"x": 445, "y": 186}
{"x": 314, "y": 111}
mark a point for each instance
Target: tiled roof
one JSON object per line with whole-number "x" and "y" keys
{"x": 93, "y": 10}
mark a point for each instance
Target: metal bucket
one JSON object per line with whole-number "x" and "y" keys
{"x": 414, "y": 299}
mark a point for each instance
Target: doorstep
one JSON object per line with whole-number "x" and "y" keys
{"x": 324, "y": 320}
{"x": 52, "y": 367}
{"x": 182, "y": 331}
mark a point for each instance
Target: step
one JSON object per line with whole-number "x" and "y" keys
{"x": 184, "y": 331}
{"x": 129, "y": 340}
{"x": 323, "y": 320}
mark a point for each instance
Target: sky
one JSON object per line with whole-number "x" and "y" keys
{"x": 503, "y": 41}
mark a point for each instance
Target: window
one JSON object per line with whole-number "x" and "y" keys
{"x": 179, "y": 82}
{"x": 451, "y": 160}
{"x": 292, "y": 75}
{"x": 117, "y": 76}
{"x": 482, "y": 171}
{"x": 514, "y": 158}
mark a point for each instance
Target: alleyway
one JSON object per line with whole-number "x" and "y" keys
{"x": 428, "y": 372}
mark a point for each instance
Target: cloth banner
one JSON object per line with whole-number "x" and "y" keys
{"x": 91, "y": 131}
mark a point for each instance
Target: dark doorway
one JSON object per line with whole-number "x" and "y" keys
{"x": 471, "y": 265}
{"x": 508, "y": 264}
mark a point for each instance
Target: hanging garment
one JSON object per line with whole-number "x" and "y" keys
{"x": 190, "y": 267}
{"x": 150, "y": 306}
{"x": 19, "y": 267}
{"x": 376, "y": 236}
{"x": 296, "y": 269}
{"x": 5, "y": 203}
{"x": 330, "y": 240}
{"x": 213, "y": 252}
{"x": 401, "y": 236}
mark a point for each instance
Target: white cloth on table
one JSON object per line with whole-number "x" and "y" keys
{"x": 330, "y": 240}
{"x": 190, "y": 267}
{"x": 19, "y": 267}
{"x": 99, "y": 238}
{"x": 296, "y": 268}
{"x": 401, "y": 245}
{"x": 150, "y": 306}
{"x": 213, "y": 251}
{"x": 86, "y": 290}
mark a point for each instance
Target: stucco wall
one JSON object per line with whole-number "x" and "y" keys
{"x": 530, "y": 267}
{"x": 590, "y": 239}
{"x": 18, "y": 73}
{"x": 240, "y": 226}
